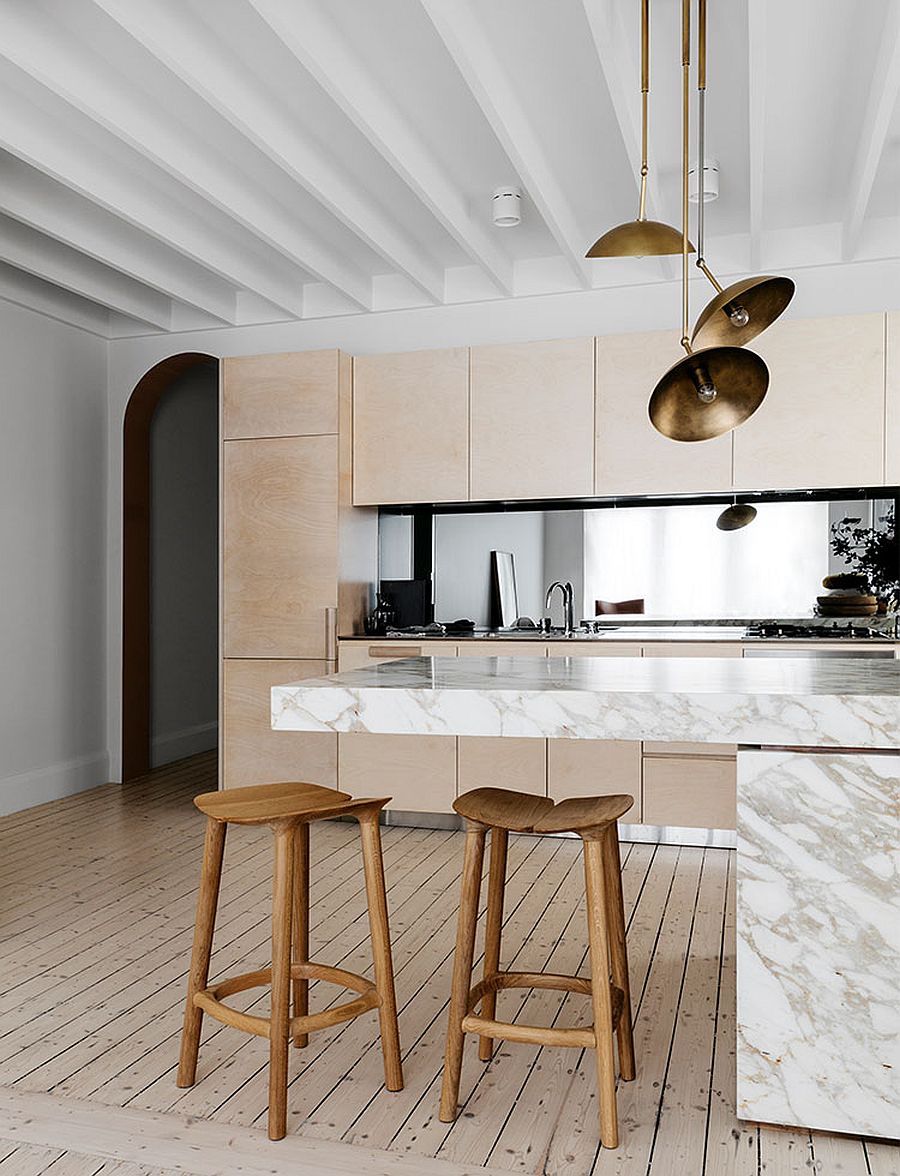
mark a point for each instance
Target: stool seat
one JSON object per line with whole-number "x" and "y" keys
{"x": 580, "y": 814}
{"x": 260, "y": 804}
{"x": 501, "y": 808}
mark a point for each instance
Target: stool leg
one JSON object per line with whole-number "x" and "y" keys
{"x": 381, "y": 950}
{"x": 618, "y": 952}
{"x": 280, "y": 1024}
{"x": 198, "y": 977}
{"x": 300, "y": 927}
{"x": 473, "y": 862}
{"x": 600, "y": 994}
{"x": 492, "y": 930}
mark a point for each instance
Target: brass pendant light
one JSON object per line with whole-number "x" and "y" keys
{"x": 712, "y": 390}
{"x": 743, "y": 310}
{"x": 641, "y": 237}
{"x": 738, "y": 515}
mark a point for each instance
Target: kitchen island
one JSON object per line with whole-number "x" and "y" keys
{"x": 818, "y": 833}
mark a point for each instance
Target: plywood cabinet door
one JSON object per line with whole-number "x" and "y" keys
{"x": 252, "y": 753}
{"x": 355, "y": 655}
{"x": 290, "y": 395}
{"x": 486, "y": 761}
{"x": 532, "y": 412}
{"x": 411, "y": 427}
{"x": 822, "y": 421}
{"x": 690, "y": 793}
{"x": 892, "y": 402}
{"x": 632, "y": 457}
{"x": 280, "y": 560}
{"x": 417, "y": 772}
{"x": 595, "y": 767}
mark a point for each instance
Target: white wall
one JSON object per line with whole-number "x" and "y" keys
{"x": 184, "y": 457}
{"x": 462, "y": 563}
{"x": 832, "y": 289}
{"x": 53, "y": 494}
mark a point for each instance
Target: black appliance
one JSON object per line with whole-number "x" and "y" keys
{"x": 410, "y": 600}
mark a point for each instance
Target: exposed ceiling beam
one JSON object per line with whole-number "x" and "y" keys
{"x": 35, "y": 136}
{"x": 884, "y": 92}
{"x": 37, "y": 201}
{"x": 756, "y": 116}
{"x": 464, "y": 38}
{"x": 622, "y": 76}
{"x": 34, "y": 294}
{"x": 31, "y": 251}
{"x": 345, "y": 77}
{"x": 41, "y": 49}
{"x": 189, "y": 52}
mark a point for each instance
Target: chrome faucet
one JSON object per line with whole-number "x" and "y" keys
{"x": 568, "y": 594}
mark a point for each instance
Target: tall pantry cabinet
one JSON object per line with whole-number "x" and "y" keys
{"x": 298, "y": 564}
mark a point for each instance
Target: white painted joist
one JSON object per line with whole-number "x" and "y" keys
{"x": 35, "y": 294}
{"x": 345, "y": 77}
{"x": 756, "y": 120}
{"x": 622, "y": 75}
{"x": 34, "y": 136}
{"x": 177, "y": 40}
{"x": 194, "y": 1145}
{"x": 464, "y": 39}
{"x": 41, "y": 49}
{"x": 884, "y": 92}
{"x": 28, "y": 250}
{"x": 36, "y": 200}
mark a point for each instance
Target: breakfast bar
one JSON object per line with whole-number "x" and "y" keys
{"x": 818, "y": 839}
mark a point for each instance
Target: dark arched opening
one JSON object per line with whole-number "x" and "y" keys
{"x": 136, "y": 556}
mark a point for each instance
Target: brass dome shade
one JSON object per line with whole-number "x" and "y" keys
{"x": 641, "y": 237}
{"x": 740, "y": 312}
{"x": 638, "y": 238}
{"x": 732, "y": 518}
{"x": 707, "y": 393}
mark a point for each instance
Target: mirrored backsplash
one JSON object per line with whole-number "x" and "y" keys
{"x": 671, "y": 557}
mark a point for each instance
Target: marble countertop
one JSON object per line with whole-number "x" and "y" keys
{"x": 848, "y": 703}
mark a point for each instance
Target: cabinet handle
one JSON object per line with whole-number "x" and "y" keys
{"x": 331, "y": 634}
{"x": 395, "y": 651}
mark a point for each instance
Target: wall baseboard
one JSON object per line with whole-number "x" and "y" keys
{"x": 41, "y": 785}
{"x": 188, "y": 741}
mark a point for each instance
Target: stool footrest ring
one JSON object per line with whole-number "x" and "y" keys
{"x": 535, "y": 1034}
{"x": 212, "y": 1002}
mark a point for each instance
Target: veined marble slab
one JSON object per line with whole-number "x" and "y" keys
{"x": 818, "y": 947}
{"x": 800, "y": 703}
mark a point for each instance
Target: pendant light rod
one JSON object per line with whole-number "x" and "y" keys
{"x": 645, "y": 103}
{"x": 685, "y": 155}
{"x": 701, "y": 144}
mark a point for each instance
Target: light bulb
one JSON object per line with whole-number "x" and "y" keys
{"x": 706, "y": 389}
{"x": 739, "y": 315}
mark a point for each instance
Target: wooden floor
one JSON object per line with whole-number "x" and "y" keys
{"x": 96, "y": 915}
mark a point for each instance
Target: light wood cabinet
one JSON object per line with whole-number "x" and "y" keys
{"x": 693, "y": 649}
{"x": 688, "y": 792}
{"x": 288, "y": 395}
{"x": 892, "y": 402}
{"x": 411, "y": 427}
{"x": 593, "y": 649}
{"x": 354, "y": 655}
{"x": 418, "y": 772}
{"x": 588, "y": 767}
{"x": 501, "y": 648}
{"x": 822, "y": 421}
{"x": 532, "y": 412}
{"x": 280, "y": 546}
{"x": 501, "y": 762}
{"x": 631, "y": 456}
{"x": 252, "y": 753}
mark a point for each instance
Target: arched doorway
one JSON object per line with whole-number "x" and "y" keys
{"x": 136, "y": 554}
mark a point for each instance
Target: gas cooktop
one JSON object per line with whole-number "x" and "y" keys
{"x": 773, "y": 630}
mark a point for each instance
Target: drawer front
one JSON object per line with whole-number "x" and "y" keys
{"x": 501, "y": 762}
{"x": 595, "y": 767}
{"x": 692, "y": 649}
{"x": 354, "y": 655}
{"x": 501, "y": 648}
{"x": 691, "y": 793}
{"x": 719, "y": 750}
{"x": 417, "y": 771}
{"x": 593, "y": 649}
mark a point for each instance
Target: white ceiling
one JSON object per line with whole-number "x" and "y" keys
{"x": 171, "y": 165}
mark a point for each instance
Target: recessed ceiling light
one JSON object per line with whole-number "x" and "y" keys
{"x": 506, "y": 207}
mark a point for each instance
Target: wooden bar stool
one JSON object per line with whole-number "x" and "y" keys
{"x": 594, "y": 819}
{"x": 289, "y": 809}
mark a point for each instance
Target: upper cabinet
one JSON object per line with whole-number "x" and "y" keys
{"x": 632, "y": 457}
{"x": 822, "y": 422}
{"x": 532, "y": 412}
{"x": 892, "y": 406}
{"x": 411, "y": 427}
{"x": 290, "y": 395}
